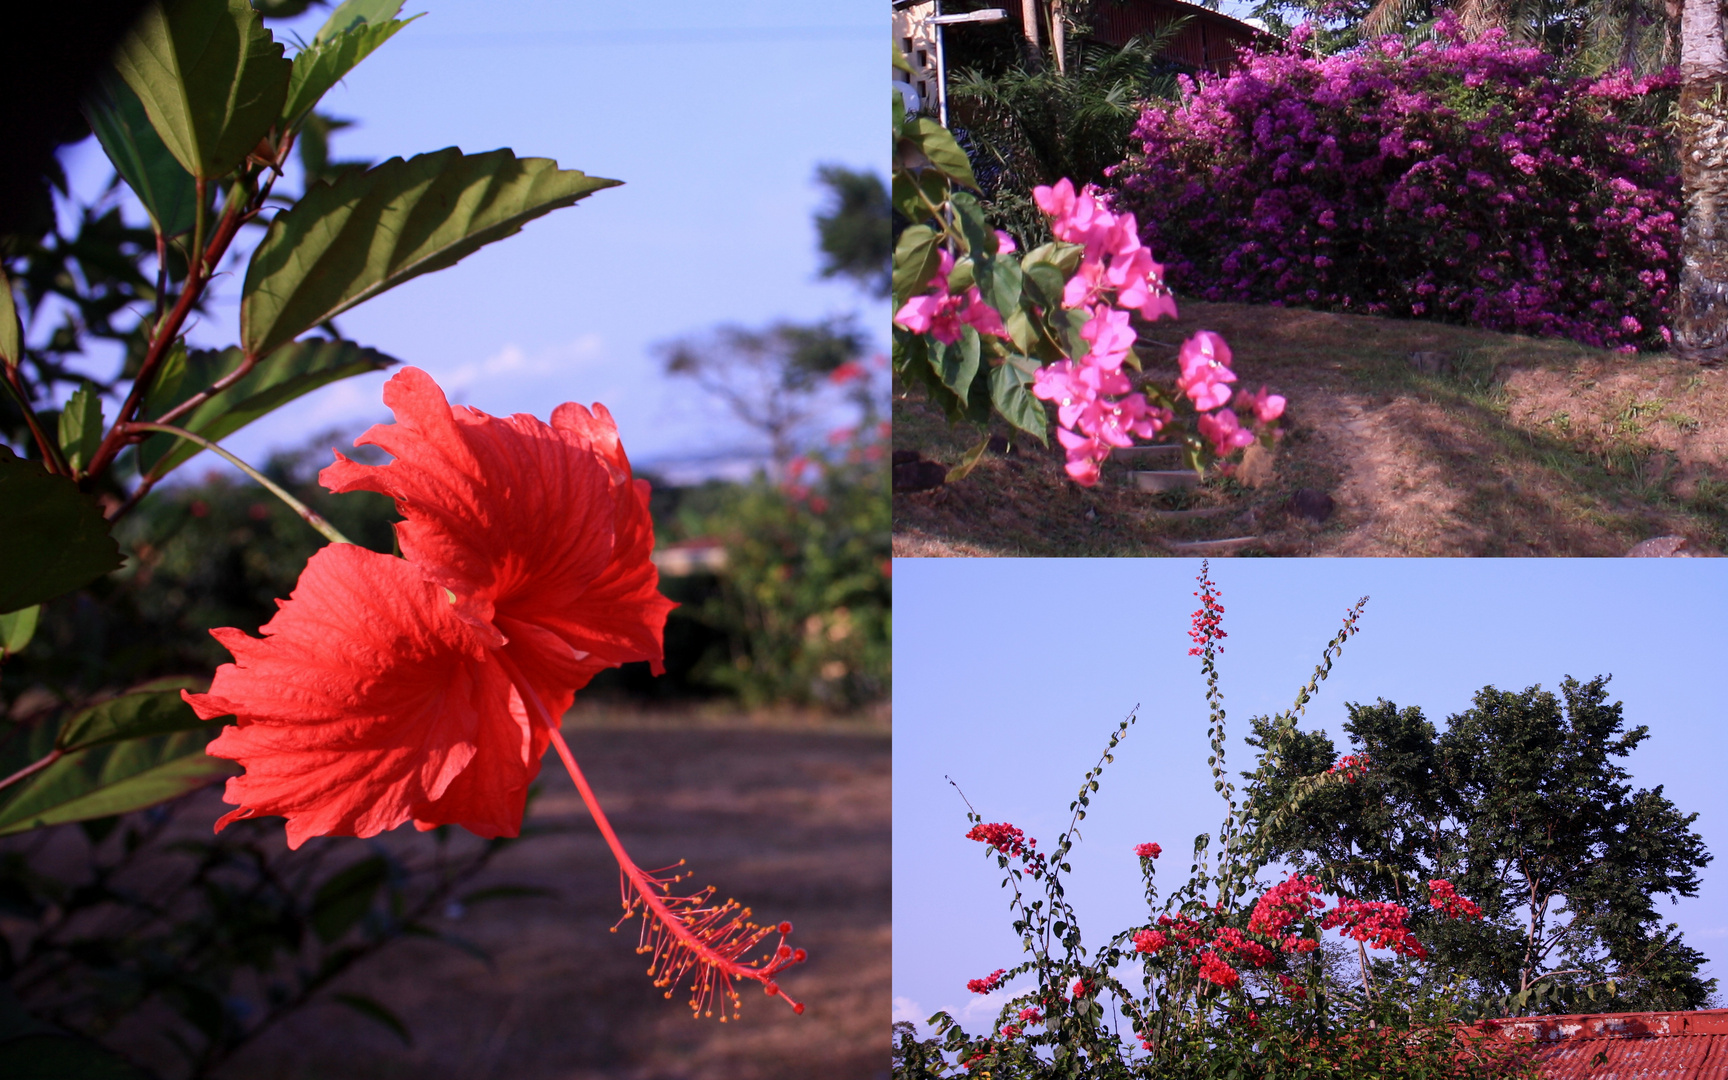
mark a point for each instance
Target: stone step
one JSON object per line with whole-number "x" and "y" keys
{"x": 1212, "y": 547}
{"x": 1164, "y": 479}
{"x": 1141, "y": 453}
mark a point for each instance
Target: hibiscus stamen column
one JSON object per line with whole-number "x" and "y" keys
{"x": 686, "y": 935}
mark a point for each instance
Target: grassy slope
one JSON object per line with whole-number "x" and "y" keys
{"x": 1526, "y": 447}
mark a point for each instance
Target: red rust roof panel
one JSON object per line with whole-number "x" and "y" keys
{"x": 1627, "y": 1046}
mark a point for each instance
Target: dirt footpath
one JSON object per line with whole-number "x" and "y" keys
{"x": 1402, "y": 438}
{"x": 794, "y": 823}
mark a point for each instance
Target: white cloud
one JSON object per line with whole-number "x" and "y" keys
{"x": 905, "y": 1009}
{"x": 511, "y": 362}
{"x": 981, "y": 1010}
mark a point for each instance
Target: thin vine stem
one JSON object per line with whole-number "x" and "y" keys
{"x": 309, "y": 515}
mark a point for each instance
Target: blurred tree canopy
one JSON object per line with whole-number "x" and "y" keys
{"x": 853, "y": 228}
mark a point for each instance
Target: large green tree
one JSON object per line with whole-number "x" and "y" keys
{"x": 1521, "y": 802}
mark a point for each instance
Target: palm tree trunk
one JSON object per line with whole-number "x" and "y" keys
{"x": 1700, "y": 312}
{"x": 1030, "y": 17}
{"x": 1059, "y": 36}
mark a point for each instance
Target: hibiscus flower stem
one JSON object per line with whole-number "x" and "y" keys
{"x": 686, "y": 934}
{"x": 311, "y": 516}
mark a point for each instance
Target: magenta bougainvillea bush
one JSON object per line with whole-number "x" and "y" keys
{"x": 1470, "y": 182}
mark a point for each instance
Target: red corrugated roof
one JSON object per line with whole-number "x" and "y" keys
{"x": 1626, "y": 1046}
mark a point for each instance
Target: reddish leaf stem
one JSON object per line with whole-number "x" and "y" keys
{"x": 34, "y": 767}
{"x": 166, "y": 331}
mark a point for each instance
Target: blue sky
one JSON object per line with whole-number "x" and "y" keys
{"x": 1011, "y": 674}
{"x": 715, "y": 118}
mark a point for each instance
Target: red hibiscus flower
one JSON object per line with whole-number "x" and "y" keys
{"x": 425, "y": 688}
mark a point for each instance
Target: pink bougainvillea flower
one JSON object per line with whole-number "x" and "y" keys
{"x": 1225, "y": 432}
{"x": 1205, "y": 361}
{"x": 1265, "y": 407}
{"x": 424, "y": 688}
{"x": 941, "y": 314}
{"x": 1148, "y": 851}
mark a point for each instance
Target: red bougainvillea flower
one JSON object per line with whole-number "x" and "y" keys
{"x": 988, "y": 983}
{"x": 424, "y": 688}
{"x": 1148, "y": 851}
{"x": 1442, "y": 895}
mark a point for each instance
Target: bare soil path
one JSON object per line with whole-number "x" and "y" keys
{"x": 1426, "y": 439}
{"x": 790, "y": 820}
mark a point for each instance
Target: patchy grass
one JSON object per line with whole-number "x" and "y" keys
{"x": 1519, "y": 446}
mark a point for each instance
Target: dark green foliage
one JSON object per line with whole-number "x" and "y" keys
{"x": 55, "y": 538}
{"x": 1522, "y": 803}
{"x": 1033, "y": 126}
{"x": 853, "y": 228}
{"x": 216, "y": 937}
{"x": 804, "y": 603}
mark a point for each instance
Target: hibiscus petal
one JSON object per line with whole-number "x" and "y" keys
{"x": 520, "y": 519}
{"x": 366, "y": 700}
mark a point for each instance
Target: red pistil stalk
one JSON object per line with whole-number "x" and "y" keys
{"x": 686, "y": 935}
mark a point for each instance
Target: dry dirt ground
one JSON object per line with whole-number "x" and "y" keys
{"x": 793, "y": 822}
{"x": 787, "y": 813}
{"x": 1428, "y": 439}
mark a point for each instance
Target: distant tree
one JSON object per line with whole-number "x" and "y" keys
{"x": 853, "y": 228}
{"x": 772, "y": 379}
{"x": 1522, "y": 805}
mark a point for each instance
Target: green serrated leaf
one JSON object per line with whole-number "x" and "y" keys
{"x": 210, "y": 77}
{"x": 291, "y": 372}
{"x": 138, "y": 154}
{"x": 326, "y": 61}
{"x": 1011, "y": 394}
{"x": 900, "y": 61}
{"x": 372, "y": 1010}
{"x": 55, "y": 538}
{"x": 351, "y": 13}
{"x": 17, "y": 628}
{"x": 116, "y": 778}
{"x": 11, "y": 332}
{"x": 346, "y": 897}
{"x": 129, "y": 716}
{"x": 370, "y": 231}
{"x": 81, "y": 426}
{"x": 916, "y": 257}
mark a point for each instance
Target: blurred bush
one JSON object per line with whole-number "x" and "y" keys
{"x": 804, "y": 601}
{"x": 798, "y": 616}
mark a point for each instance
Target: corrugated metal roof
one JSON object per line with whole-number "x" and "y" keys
{"x": 1209, "y": 42}
{"x": 1626, "y": 1046}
